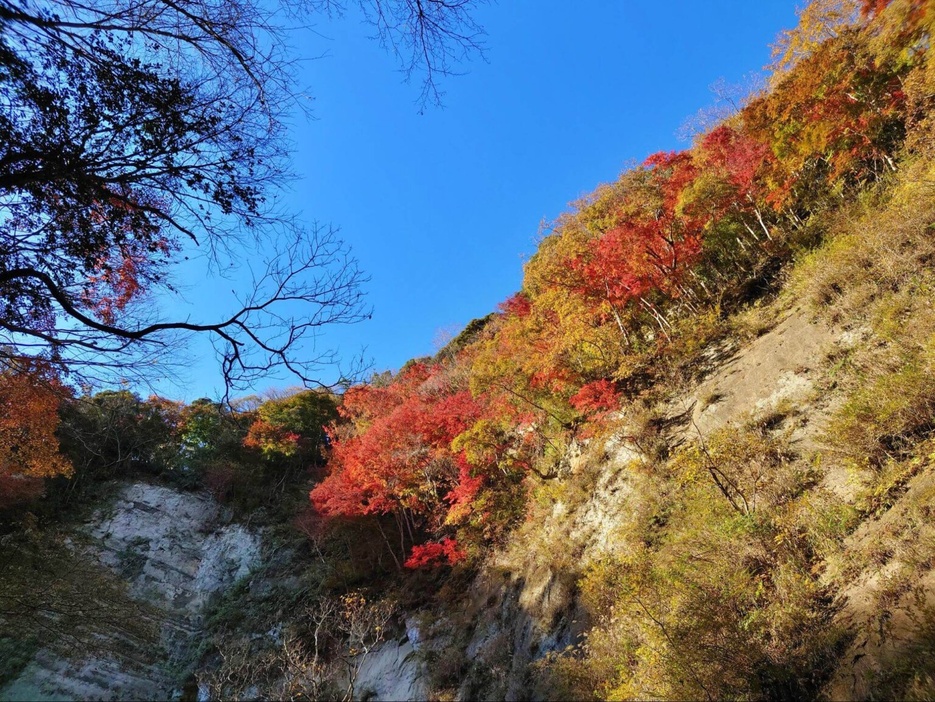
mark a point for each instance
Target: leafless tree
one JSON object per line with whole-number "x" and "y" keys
{"x": 430, "y": 38}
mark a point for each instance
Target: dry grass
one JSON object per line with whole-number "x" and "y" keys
{"x": 879, "y": 245}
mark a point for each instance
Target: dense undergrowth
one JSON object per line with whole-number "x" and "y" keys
{"x": 817, "y": 196}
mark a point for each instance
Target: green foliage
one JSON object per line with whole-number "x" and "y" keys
{"x": 250, "y": 455}
{"x": 465, "y": 337}
{"x": 209, "y": 431}
{"x": 115, "y": 435}
{"x": 293, "y": 427}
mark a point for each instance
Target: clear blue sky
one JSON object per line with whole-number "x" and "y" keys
{"x": 442, "y": 208}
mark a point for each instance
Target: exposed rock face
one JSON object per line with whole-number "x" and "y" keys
{"x": 171, "y": 547}
{"x": 524, "y": 603}
{"x": 176, "y": 553}
{"x": 393, "y": 671}
{"x": 780, "y": 366}
{"x": 519, "y": 619}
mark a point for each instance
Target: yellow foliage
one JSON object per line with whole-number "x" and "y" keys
{"x": 819, "y": 21}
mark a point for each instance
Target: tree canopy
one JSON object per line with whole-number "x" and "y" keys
{"x": 138, "y": 133}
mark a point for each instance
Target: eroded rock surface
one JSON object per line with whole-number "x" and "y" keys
{"x": 176, "y": 552}
{"x": 172, "y": 548}
{"x": 393, "y": 671}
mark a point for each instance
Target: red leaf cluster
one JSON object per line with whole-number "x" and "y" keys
{"x": 597, "y": 396}
{"x": 434, "y": 554}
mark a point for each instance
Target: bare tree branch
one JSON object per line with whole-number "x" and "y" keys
{"x": 134, "y": 131}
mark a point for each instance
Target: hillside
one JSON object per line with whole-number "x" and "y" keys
{"x": 692, "y": 458}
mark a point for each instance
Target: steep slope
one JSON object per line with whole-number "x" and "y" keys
{"x": 524, "y": 616}
{"x": 672, "y": 464}
{"x": 175, "y": 551}
{"x": 525, "y": 604}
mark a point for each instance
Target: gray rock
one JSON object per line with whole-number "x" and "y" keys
{"x": 177, "y": 552}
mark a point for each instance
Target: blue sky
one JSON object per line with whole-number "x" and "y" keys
{"x": 442, "y": 208}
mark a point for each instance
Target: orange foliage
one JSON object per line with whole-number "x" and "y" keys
{"x": 839, "y": 112}
{"x": 29, "y": 450}
{"x": 271, "y": 439}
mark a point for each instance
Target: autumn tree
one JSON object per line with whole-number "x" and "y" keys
{"x": 293, "y": 426}
{"x": 641, "y": 246}
{"x": 30, "y": 396}
{"x": 119, "y": 434}
{"x": 134, "y": 134}
{"x": 393, "y": 453}
{"x": 833, "y": 123}
{"x": 818, "y": 21}
{"x": 283, "y": 448}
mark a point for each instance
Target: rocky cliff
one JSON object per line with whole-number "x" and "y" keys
{"x": 176, "y": 552}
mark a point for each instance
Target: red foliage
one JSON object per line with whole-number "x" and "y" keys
{"x": 397, "y": 438}
{"x": 517, "y": 305}
{"x": 31, "y": 394}
{"x": 652, "y": 245}
{"x": 871, "y": 8}
{"x": 598, "y": 396}
{"x": 462, "y": 495}
{"x": 629, "y": 261}
{"x": 839, "y": 116}
{"x": 672, "y": 172}
{"x": 435, "y": 554}
{"x": 123, "y": 276}
{"x": 738, "y": 155}
{"x": 618, "y": 263}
